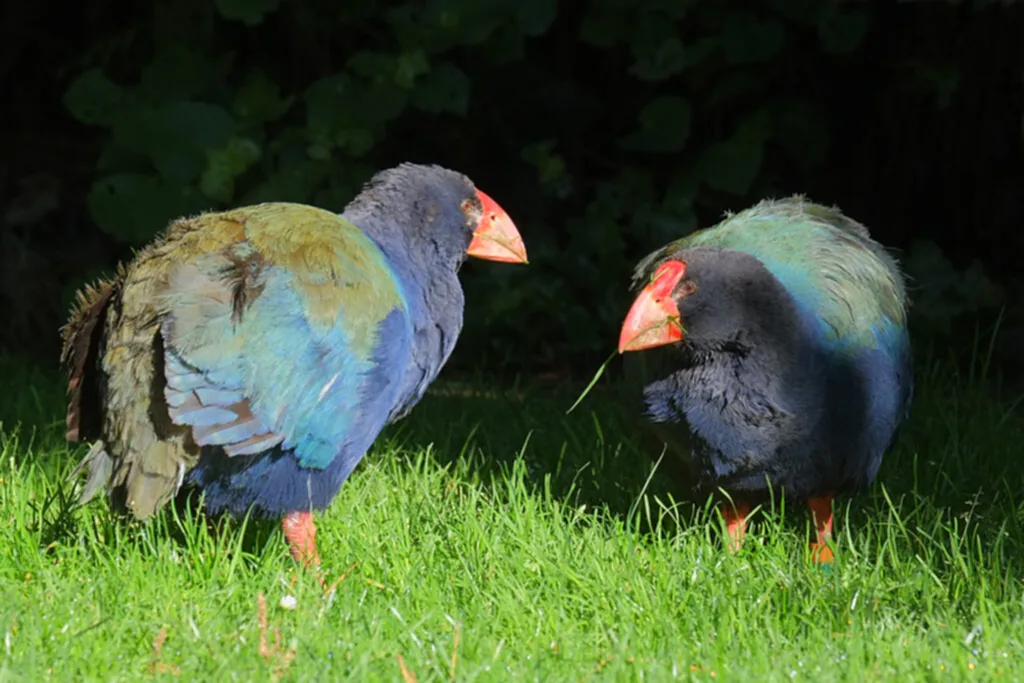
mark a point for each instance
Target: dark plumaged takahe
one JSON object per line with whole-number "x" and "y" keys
{"x": 787, "y": 357}
{"x": 255, "y": 354}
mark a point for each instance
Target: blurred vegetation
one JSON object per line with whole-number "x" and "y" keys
{"x": 604, "y": 127}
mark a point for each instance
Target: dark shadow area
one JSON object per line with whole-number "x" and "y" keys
{"x": 954, "y": 459}
{"x": 605, "y": 129}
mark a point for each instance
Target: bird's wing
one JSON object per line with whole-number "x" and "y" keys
{"x": 283, "y": 337}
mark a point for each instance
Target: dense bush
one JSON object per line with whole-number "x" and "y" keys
{"x": 605, "y": 127}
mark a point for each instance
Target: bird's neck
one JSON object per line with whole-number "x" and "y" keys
{"x": 428, "y": 275}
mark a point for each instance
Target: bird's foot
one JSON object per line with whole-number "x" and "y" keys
{"x": 735, "y": 517}
{"x": 821, "y": 514}
{"x": 300, "y": 532}
{"x": 821, "y": 553}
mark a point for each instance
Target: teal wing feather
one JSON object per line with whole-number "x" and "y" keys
{"x": 271, "y": 341}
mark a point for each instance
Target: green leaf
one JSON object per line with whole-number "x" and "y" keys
{"x": 94, "y": 99}
{"x": 341, "y": 102}
{"x": 175, "y": 137}
{"x": 373, "y": 66}
{"x": 358, "y": 141}
{"x": 226, "y": 163}
{"x": 745, "y": 38}
{"x": 664, "y": 126}
{"x": 249, "y": 12}
{"x": 259, "y": 99}
{"x": 682, "y": 189}
{"x": 328, "y": 100}
{"x": 842, "y": 32}
{"x": 410, "y": 66}
{"x": 133, "y": 130}
{"x": 345, "y": 182}
{"x": 661, "y": 61}
{"x": 663, "y": 228}
{"x": 658, "y": 51}
{"x": 116, "y": 156}
{"x": 379, "y": 103}
{"x": 479, "y": 23}
{"x": 180, "y": 135}
{"x": 176, "y": 73}
{"x": 132, "y": 207}
{"x": 445, "y": 88}
{"x": 732, "y": 165}
{"x": 551, "y": 168}
{"x": 292, "y": 183}
{"x": 802, "y": 127}
{"x": 504, "y": 46}
{"x": 321, "y": 148}
{"x": 198, "y": 123}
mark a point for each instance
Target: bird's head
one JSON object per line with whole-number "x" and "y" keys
{"x": 425, "y": 212}
{"x": 654, "y": 318}
{"x": 708, "y": 297}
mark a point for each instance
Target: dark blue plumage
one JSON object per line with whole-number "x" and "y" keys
{"x": 791, "y": 365}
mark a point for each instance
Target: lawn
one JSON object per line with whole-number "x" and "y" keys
{"x": 490, "y": 537}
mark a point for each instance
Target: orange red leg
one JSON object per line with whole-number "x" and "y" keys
{"x": 821, "y": 513}
{"x": 735, "y": 516}
{"x": 300, "y": 532}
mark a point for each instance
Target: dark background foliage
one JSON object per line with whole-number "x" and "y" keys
{"x": 604, "y": 127}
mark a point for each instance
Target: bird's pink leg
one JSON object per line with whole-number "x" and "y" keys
{"x": 300, "y": 532}
{"x": 821, "y": 513}
{"x": 735, "y": 523}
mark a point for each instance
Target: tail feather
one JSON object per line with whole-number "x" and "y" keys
{"x": 83, "y": 338}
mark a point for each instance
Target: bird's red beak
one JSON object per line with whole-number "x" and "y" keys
{"x": 496, "y": 237}
{"x": 654, "y": 320}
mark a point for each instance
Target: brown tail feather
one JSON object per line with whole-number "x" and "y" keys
{"x": 82, "y": 336}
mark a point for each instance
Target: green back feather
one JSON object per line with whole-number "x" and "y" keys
{"x": 827, "y": 261}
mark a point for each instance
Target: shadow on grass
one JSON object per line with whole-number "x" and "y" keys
{"x": 957, "y": 464}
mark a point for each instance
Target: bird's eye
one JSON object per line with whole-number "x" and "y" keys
{"x": 465, "y": 205}
{"x": 687, "y": 287}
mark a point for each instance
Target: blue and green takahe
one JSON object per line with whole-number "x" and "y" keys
{"x": 786, "y": 356}
{"x": 256, "y": 353}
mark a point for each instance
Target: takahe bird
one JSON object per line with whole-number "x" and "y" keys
{"x": 256, "y": 353}
{"x": 786, "y": 359}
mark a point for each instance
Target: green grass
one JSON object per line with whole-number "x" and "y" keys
{"x": 492, "y": 538}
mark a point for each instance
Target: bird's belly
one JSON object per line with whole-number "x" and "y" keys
{"x": 832, "y": 443}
